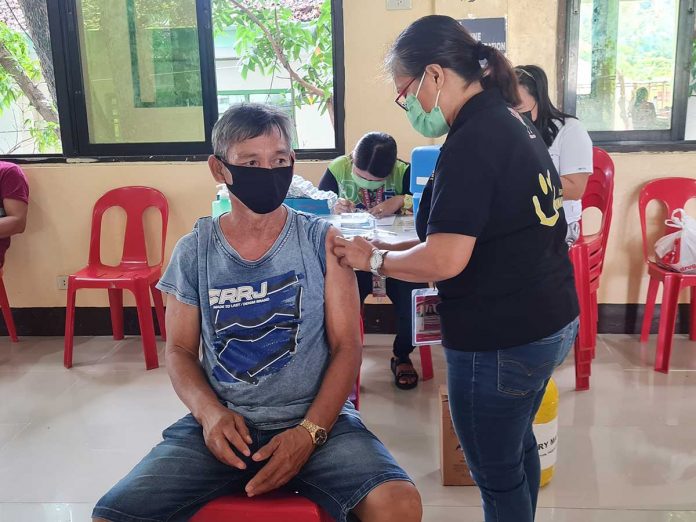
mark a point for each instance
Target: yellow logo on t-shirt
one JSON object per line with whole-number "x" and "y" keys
{"x": 549, "y": 197}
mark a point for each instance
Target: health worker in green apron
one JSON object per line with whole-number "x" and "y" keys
{"x": 372, "y": 179}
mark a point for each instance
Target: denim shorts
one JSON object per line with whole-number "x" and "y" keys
{"x": 180, "y": 474}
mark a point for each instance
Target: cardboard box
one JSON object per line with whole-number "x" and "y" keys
{"x": 453, "y": 466}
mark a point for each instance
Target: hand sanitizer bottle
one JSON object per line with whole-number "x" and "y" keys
{"x": 222, "y": 202}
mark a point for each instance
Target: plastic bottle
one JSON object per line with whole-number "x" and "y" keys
{"x": 546, "y": 432}
{"x": 222, "y": 202}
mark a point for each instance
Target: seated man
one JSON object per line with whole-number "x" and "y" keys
{"x": 14, "y": 199}
{"x": 279, "y": 322}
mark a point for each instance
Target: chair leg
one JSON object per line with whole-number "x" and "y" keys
{"x": 7, "y": 313}
{"x": 69, "y": 326}
{"x": 147, "y": 328}
{"x": 159, "y": 308}
{"x": 594, "y": 313}
{"x": 649, "y": 309}
{"x": 692, "y": 321}
{"x": 116, "y": 306}
{"x": 668, "y": 316}
{"x": 583, "y": 366}
{"x": 582, "y": 285}
{"x": 426, "y": 358}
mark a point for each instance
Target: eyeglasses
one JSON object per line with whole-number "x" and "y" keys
{"x": 401, "y": 98}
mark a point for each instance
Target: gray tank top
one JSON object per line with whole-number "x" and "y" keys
{"x": 265, "y": 349}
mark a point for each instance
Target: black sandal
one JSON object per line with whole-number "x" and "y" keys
{"x": 409, "y": 375}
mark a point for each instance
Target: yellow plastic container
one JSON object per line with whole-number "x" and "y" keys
{"x": 546, "y": 432}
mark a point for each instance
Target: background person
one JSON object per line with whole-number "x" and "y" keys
{"x": 14, "y": 204}
{"x": 643, "y": 111}
{"x": 569, "y": 143}
{"x": 372, "y": 178}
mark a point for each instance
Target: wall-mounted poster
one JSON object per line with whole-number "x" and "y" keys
{"x": 490, "y": 31}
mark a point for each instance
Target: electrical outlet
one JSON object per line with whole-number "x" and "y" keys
{"x": 397, "y": 5}
{"x": 62, "y": 282}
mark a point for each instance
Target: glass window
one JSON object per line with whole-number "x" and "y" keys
{"x": 626, "y": 64}
{"x": 293, "y": 70}
{"x": 28, "y": 115}
{"x": 138, "y": 78}
{"x": 141, "y": 71}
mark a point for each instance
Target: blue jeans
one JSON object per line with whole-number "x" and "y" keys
{"x": 180, "y": 474}
{"x": 494, "y": 397}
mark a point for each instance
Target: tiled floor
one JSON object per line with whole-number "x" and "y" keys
{"x": 627, "y": 449}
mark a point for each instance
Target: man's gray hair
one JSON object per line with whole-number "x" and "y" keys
{"x": 247, "y": 121}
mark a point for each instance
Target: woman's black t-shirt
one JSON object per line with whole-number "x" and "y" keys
{"x": 495, "y": 181}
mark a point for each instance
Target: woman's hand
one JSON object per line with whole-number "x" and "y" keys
{"x": 388, "y": 207}
{"x": 353, "y": 253}
{"x": 343, "y": 206}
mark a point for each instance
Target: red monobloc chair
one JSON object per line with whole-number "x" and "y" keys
{"x": 274, "y": 507}
{"x": 132, "y": 273}
{"x": 587, "y": 256}
{"x": 7, "y": 311}
{"x": 674, "y": 193}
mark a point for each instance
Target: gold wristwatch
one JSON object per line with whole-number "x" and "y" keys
{"x": 319, "y": 435}
{"x": 408, "y": 202}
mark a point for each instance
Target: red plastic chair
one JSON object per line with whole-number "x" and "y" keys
{"x": 132, "y": 273}
{"x": 274, "y": 507}
{"x": 674, "y": 193}
{"x": 7, "y": 312}
{"x": 587, "y": 256}
{"x": 426, "y": 358}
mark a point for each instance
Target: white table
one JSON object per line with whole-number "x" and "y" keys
{"x": 402, "y": 229}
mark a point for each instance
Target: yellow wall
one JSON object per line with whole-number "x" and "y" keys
{"x": 56, "y": 241}
{"x": 624, "y": 279}
{"x": 57, "y": 236}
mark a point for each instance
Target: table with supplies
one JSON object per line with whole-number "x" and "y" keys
{"x": 392, "y": 229}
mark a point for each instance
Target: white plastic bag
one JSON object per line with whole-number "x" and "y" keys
{"x": 302, "y": 188}
{"x": 677, "y": 251}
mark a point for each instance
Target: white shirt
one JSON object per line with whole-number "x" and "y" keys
{"x": 571, "y": 153}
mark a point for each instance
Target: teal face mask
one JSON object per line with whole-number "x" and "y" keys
{"x": 366, "y": 183}
{"x": 430, "y": 124}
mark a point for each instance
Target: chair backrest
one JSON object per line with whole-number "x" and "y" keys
{"x": 423, "y": 161}
{"x": 673, "y": 193}
{"x": 134, "y": 201}
{"x": 600, "y": 187}
{"x": 599, "y": 194}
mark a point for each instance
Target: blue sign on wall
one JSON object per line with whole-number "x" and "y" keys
{"x": 490, "y": 31}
